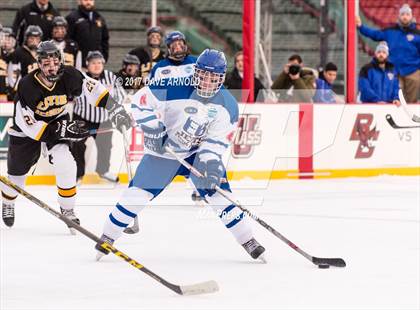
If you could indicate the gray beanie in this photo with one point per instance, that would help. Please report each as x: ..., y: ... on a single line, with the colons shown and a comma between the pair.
x: 405, y: 9
x: 382, y: 46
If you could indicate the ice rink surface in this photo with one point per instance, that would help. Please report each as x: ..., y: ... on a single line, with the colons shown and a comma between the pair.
x: 373, y: 223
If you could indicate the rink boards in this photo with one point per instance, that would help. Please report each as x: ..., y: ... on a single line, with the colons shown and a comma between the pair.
x: 276, y: 141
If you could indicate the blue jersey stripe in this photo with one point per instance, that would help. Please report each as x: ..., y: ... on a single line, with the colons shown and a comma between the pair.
x: 116, y: 222
x: 216, y: 142
x: 146, y: 119
x: 226, y: 211
x: 125, y: 211
x: 235, y: 221
x: 134, y: 106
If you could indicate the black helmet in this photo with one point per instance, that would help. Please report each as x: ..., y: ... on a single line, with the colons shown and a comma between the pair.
x: 130, y: 60
x: 154, y: 29
x: 47, y: 49
x: 32, y: 31
x: 7, y: 31
x: 59, y: 21
x: 93, y: 55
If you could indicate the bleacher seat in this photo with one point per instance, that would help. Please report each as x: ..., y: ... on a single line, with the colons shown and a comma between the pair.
x: 125, y: 20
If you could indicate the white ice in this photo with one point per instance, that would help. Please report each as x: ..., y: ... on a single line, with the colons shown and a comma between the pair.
x: 373, y: 223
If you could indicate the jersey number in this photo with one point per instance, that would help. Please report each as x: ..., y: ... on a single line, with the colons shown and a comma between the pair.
x: 29, y: 120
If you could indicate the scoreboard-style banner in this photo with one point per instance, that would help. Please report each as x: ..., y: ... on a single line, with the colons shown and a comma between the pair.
x: 275, y: 141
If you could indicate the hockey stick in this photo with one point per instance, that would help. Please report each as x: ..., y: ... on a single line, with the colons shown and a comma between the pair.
x: 336, y: 262
x: 391, y: 121
x: 411, y: 115
x: 195, y: 289
x: 135, y: 228
x: 99, y: 131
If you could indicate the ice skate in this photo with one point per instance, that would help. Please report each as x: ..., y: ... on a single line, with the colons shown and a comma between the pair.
x: 110, y: 177
x: 255, y: 249
x: 71, y: 216
x: 8, y: 213
x: 198, y: 200
x: 101, y: 251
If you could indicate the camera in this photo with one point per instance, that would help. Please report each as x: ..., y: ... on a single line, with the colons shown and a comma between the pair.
x: 294, y: 69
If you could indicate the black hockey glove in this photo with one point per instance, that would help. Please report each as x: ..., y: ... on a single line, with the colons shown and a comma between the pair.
x: 212, y: 172
x: 69, y: 130
x: 119, y: 117
x: 154, y: 138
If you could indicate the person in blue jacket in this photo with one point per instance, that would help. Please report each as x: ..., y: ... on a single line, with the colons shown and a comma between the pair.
x: 378, y: 81
x: 403, y: 40
x: 324, y: 92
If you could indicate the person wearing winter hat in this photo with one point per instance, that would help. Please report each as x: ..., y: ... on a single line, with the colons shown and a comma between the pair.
x: 403, y: 40
x: 378, y: 81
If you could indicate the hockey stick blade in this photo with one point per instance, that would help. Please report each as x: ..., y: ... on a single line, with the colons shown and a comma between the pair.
x: 335, y: 262
x: 195, y: 289
x: 411, y: 115
x: 200, y: 288
x: 391, y: 122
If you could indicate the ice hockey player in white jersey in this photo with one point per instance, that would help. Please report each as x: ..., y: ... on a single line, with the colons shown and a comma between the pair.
x: 197, y: 119
x: 177, y: 63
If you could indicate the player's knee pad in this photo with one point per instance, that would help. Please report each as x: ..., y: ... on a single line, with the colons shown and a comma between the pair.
x: 64, y: 166
x: 9, y: 193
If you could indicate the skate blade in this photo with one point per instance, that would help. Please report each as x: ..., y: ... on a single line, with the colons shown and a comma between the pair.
x: 99, y: 255
x: 262, y: 259
x: 131, y: 230
x: 200, y: 204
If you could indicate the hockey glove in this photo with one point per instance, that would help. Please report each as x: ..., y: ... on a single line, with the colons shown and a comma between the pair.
x: 119, y: 117
x: 154, y: 138
x: 70, y: 130
x: 212, y: 172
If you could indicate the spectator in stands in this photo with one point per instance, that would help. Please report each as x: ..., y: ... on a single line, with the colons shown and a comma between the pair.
x: 88, y: 28
x: 7, y: 47
x: 178, y: 62
x: 234, y: 80
x: 68, y: 47
x: 38, y: 12
x: 96, y: 117
x: 324, y: 83
x: 129, y: 75
x: 152, y: 53
x: 378, y: 80
x: 295, y: 83
x: 403, y: 40
x: 24, y: 59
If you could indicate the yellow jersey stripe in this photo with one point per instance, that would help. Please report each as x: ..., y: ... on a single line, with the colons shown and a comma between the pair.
x: 100, y: 97
x: 41, y: 132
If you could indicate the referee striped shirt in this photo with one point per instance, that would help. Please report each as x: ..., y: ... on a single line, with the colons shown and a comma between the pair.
x: 87, y: 111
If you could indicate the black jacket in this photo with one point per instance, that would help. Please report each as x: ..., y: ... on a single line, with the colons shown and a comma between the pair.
x: 30, y: 14
x: 89, y: 30
x: 234, y: 81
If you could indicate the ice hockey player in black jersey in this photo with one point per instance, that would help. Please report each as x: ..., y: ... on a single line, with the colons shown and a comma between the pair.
x: 129, y: 76
x: 7, y: 47
x: 152, y: 53
x: 24, y: 59
x: 70, y: 49
x: 41, y: 116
